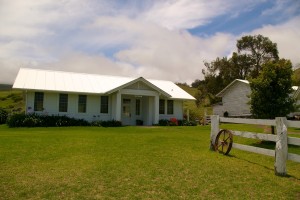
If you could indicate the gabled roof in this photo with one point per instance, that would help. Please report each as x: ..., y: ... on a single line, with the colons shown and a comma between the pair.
x: 220, y: 94
x: 46, y: 80
x: 141, y: 79
x: 296, y: 92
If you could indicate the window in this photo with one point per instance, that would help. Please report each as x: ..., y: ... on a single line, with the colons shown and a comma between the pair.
x: 161, y: 106
x: 63, y: 102
x: 170, y: 108
x: 38, y: 101
x: 137, y: 107
x: 82, y: 103
x: 104, y: 104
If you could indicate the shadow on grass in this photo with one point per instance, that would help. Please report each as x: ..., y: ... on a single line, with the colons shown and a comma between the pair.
x: 265, y: 144
x: 257, y: 164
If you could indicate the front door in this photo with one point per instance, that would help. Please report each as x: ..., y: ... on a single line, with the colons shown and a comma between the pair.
x: 126, y: 112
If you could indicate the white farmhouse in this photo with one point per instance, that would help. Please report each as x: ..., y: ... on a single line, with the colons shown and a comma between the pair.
x: 98, y: 97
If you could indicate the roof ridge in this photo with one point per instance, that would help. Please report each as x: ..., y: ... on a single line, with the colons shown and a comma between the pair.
x: 84, y: 73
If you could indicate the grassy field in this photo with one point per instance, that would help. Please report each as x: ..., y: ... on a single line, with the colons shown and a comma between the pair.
x: 133, y: 163
x: 12, y: 100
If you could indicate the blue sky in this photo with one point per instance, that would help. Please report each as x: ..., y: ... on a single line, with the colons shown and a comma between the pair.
x: 160, y: 39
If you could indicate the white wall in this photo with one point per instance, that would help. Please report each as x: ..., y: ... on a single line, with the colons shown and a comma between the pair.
x: 51, y: 106
x: 235, y: 101
x: 218, y: 110
x: 178, y: 110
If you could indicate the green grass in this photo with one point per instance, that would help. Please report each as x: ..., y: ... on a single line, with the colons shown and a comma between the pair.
x: 133, y: 163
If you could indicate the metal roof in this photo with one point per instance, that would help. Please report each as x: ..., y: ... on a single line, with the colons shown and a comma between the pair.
x: 220, y: 94
x: 46, y: 80
x: 295, y: 93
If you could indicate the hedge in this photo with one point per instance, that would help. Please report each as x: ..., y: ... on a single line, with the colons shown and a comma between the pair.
x: 166, y: 122
x: 34, y: 120
x: 3, y: 116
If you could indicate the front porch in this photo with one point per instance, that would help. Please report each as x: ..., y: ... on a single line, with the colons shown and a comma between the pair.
x: 132, y: 107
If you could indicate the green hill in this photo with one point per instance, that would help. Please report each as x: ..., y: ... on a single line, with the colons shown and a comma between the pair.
x: 195, y: 112
x: 5, y: 87
x: 11, y: 100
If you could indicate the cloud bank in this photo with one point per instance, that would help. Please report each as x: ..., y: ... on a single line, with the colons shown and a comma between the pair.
x: 150, y: 39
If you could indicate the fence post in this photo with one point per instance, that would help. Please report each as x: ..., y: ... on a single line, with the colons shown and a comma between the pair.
x: 214, y: 130
x: 281, y: 149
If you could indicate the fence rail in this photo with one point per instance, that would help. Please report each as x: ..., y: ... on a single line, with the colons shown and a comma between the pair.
x: 259, y: 136
x: 282, y: 140
x: 248, y: 121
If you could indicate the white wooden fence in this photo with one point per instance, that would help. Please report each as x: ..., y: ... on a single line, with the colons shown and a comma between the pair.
x: 282, y: 140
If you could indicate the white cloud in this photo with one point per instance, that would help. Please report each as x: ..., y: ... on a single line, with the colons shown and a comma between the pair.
x: 105, y: 37
x: 287, y: 37
x: 283, y: 8
x: 97, y: 64
x: 157, y: 52
x: 182, y: 14
x: 188, y: 14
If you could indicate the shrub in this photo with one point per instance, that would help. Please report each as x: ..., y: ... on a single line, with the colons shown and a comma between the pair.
x: 96, y: 123
x: 16, y: 120
x: 111, y: 123
x: 139, y: 122
x: 186, y: 123
x: 182, y: 122
x: 166, y: 122
x: 33, y: 120
x: 173, y: 122
x: 163, y: 122
x: 192, y: 123
x: 3, y: 116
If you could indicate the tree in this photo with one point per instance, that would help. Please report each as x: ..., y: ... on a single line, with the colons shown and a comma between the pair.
x: 217, y: 75
x: 196, y: 83
x: 296, y: 75
x: 259, y: 49
x: 246, y: 63
x: 222, y: 71
x: 241, y: 65
x: 270, y: 91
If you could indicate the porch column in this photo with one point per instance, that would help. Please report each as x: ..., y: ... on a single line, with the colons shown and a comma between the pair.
x: 156, y: 109
x: 118, y: 106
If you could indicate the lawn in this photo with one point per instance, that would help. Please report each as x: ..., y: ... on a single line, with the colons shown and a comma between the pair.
x: 133, y: 163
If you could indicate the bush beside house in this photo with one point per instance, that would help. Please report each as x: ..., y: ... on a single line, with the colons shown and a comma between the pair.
x: 3, y: 116
x: 33, y: 120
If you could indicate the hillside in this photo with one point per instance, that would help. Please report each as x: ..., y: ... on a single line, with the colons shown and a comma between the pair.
x: 195, y: 112
x: 11, y: 100
x: 5, y: 87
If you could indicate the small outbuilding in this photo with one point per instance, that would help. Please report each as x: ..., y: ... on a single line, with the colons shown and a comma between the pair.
x: 235, y: 100
x: 100, y: 97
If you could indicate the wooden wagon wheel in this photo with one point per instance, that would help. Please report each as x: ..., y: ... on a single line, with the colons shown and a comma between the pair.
x: 224, y: 142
